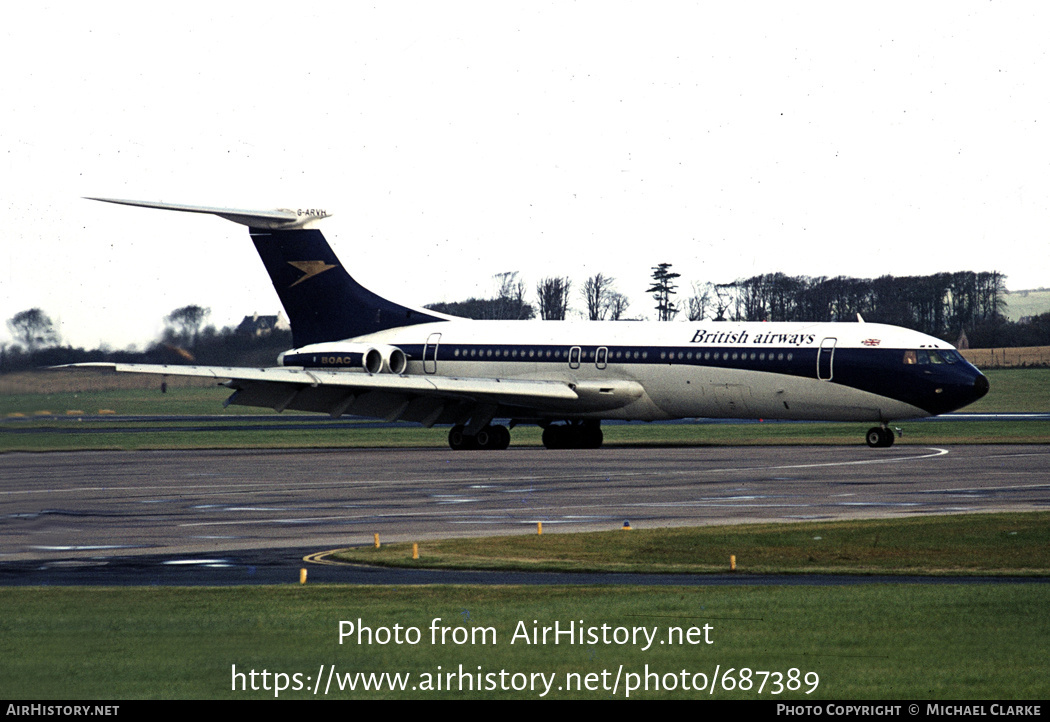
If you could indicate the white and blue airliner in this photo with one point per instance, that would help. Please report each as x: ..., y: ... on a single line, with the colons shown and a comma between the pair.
x: 357, y: 353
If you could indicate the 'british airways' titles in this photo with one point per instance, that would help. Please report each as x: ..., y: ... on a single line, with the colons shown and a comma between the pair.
x: 721, y: 338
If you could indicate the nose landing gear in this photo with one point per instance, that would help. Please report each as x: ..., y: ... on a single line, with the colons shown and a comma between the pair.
x: 879, y: 437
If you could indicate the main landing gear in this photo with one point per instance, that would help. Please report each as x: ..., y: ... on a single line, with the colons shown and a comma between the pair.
x: 489, y: 437
x: 879, y: 437
x: 573, y: 435
x: 570, y: 435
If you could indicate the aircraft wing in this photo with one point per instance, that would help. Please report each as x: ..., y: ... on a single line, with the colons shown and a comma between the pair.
x: 422, y: 398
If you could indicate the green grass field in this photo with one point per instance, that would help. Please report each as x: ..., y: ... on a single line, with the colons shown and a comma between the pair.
x: 1027, y: 303
x: 178, y: 401
x: 878, y: 641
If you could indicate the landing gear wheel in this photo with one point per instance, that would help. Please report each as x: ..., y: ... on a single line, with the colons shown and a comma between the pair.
x: 879, y: 437
x: 502, y: 434
x: 553, y: 437
x: 494, y: 438
x: 585, y: 435
x: 873, y: 437
x: 591, y: 437
x: 459, y: 441
x: 488, y: 438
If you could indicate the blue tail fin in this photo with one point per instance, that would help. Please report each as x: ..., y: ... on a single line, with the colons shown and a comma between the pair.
x: 322, y: 300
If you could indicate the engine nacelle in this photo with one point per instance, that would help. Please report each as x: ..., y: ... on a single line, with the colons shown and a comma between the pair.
x: 347, y: 356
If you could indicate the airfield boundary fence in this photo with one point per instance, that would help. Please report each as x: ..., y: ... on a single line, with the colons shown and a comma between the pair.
x: 1006, y: 358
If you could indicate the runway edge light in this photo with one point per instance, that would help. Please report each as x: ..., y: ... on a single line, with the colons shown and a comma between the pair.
x: 626, y: 525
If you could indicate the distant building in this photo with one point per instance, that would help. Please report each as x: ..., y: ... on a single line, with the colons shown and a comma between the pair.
x: 256, y: 325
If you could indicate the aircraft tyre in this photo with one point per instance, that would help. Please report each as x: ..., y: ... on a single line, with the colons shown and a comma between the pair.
x: 587, y: 435
x: 503, y: 433
x: 493, y: 437
x: 488, y: 438
x: 879, y: 437
x: 458, y: 439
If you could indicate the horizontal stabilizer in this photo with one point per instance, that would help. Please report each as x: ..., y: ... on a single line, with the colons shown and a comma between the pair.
x: 277, y: 219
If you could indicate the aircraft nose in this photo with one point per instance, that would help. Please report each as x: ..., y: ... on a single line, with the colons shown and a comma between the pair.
x: 964, y: 389
x: 980, y: 386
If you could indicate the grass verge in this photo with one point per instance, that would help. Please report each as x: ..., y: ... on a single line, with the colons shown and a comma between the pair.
x: 986, y: 544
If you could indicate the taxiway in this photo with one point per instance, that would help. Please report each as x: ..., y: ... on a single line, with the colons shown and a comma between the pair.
x: 88, y: 505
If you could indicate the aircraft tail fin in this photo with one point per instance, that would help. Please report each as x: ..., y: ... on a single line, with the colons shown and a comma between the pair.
x: 322, y: 300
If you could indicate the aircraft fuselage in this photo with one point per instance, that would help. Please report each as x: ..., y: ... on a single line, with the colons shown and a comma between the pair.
x: 830, y: 371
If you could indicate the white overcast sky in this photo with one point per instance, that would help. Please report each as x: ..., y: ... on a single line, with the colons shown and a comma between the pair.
x: 454, y: 141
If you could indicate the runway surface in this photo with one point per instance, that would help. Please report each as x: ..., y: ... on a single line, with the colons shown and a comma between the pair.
x: 91, y: 510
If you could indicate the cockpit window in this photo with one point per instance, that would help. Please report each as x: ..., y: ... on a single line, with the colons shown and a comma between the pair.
x: 932, y: 356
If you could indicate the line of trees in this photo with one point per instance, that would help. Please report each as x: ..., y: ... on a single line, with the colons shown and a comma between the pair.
x: 508, y: 304
x: 942, y: 304
x: 553, y: 297
x: 945, y: 305
x: 185, y: 339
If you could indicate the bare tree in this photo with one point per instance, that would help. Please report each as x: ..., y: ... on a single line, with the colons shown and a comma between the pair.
x: 597, y: 290
x: 700, y: 301
x: 510, y: 298
x: 617, y: 306
x: 723, y: 300
x: 34, y: 329
x: 553, y: 295
x: 185, y: 323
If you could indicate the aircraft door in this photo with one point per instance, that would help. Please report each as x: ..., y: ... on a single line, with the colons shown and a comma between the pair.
x: 430, y: 353
x: 601, y: 358
x: 825, y: 358
x: 574, y: 357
